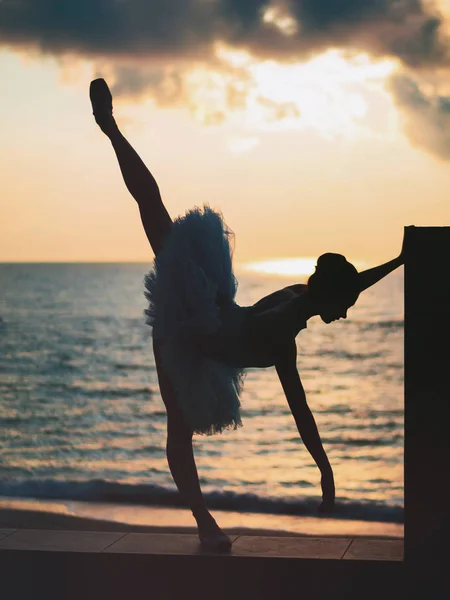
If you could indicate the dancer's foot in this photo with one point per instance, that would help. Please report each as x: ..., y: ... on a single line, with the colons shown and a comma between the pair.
x: 101, y: 100
x: 215, y: 541
x: 212, y: 537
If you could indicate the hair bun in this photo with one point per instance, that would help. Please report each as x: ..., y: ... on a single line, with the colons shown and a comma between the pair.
x: 334, y: 276
x: 330, y: 260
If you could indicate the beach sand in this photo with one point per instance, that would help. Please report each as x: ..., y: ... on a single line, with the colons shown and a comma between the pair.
x: 17, y: 513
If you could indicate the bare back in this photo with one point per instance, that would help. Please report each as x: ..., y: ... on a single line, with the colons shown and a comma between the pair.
x: 255, y: 336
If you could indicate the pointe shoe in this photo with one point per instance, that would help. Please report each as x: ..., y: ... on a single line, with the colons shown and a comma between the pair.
x: 215, y: 542
x: 102, y: 108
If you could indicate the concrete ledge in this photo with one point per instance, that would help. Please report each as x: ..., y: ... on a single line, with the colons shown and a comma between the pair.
x: 5, y: 532
x: 83, y: 565
x: 59, y: 541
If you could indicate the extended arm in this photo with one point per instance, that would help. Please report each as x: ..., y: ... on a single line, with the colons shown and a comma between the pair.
x: 372, y: 276
x: 295, y: 395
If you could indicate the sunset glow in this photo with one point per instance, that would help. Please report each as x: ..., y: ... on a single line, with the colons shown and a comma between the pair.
x: 327, y: 94
x: 312, y: 128
x: 284, y: 267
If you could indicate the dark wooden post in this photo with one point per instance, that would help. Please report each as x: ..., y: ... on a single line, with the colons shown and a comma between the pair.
x: 427, y: 407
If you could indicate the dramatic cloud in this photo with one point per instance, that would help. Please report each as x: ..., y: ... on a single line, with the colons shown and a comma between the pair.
x: 398, y: 28
x: 152, y: 47
x: 108, y: 27
x: 186, y: 29
x: 426, y: 116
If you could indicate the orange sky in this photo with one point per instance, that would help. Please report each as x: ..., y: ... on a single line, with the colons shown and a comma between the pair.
x: 330, y: 165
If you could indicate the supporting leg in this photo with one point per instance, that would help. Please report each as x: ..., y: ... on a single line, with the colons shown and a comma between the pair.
x: 182, y: 465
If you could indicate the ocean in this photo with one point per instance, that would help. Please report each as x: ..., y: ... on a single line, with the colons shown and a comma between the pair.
x: 81, y: 416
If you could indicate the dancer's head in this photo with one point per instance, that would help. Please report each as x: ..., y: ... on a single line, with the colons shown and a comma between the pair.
x: 334, y: 287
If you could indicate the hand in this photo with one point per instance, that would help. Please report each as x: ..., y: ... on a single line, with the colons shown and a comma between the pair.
x: 402, y: 253
x: 328, y: 492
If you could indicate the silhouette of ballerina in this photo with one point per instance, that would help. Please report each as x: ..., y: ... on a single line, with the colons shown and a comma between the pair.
x: 203, y: 340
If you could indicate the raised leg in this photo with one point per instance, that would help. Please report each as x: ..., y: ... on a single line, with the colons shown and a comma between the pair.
x: 180, y: 457
x: 139, y: 181
x: 144, y: 189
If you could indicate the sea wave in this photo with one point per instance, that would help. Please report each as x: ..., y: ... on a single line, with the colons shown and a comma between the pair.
x: 351, y: 355
x: 110, y: 392
x: 99, y: 490
x: 390, y: 324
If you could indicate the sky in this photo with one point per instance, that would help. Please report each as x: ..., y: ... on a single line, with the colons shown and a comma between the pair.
x: 313, y: 125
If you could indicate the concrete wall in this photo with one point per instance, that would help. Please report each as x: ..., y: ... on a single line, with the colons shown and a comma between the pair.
x: 427, y: 402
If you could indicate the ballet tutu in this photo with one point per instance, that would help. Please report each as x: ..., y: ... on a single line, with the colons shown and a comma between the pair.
x: 191, y: 279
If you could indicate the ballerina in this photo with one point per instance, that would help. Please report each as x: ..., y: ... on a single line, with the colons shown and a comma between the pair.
x: 203, y: 341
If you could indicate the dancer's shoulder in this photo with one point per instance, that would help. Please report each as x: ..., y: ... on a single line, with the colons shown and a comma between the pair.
x: 272, y: 300
x: 297, y: 288
x: 278, y: 298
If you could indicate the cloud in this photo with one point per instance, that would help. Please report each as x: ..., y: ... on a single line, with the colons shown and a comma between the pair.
x: 277, y: 111
x: 402, y: 29
x: 150, y: 48
x: 188, y: 29
x: 132, y: 28
x: 426, y: 116
x: 166, y: 84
